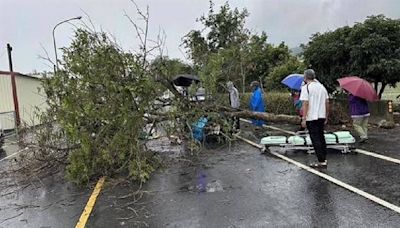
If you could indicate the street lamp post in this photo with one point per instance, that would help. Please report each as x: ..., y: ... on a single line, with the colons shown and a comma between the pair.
x: 54, y: 38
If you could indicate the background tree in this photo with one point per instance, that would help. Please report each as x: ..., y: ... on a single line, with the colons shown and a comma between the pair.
x: 375, y: 51
x: 262, y: 57
x: 170, y: 67
x: 225, y: 49
x: 224, y: 29
x: 329, y: 55
x: 278, y: 73
x: 370, y: 50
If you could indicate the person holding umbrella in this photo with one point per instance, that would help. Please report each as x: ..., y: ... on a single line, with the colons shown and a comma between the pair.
x: 295, y: 82
x: 359, y: 112
x: 297, y: 103
x: 360, y: 91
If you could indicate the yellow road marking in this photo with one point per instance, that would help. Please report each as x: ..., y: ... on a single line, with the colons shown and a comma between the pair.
x: 90, y: 204
x: 329, y: 178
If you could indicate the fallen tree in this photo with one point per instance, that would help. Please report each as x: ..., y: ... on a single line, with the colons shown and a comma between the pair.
x: 102, y: 100
x: 269, y: 117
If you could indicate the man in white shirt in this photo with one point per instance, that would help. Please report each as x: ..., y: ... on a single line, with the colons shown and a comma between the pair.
x: 315, y: 114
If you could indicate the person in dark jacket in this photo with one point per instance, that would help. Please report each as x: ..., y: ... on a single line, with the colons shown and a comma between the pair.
x: 359, y: 112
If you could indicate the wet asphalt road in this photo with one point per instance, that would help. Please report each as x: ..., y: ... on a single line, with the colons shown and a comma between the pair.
x: 237, y: 187
x: 243, y: 188
x: 53, y: 203
x: 50, y: 202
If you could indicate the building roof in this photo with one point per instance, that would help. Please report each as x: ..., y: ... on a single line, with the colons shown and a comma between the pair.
x: 36, y: 76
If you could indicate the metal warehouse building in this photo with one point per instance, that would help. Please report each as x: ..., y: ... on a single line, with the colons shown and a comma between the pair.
x: 30, y: 97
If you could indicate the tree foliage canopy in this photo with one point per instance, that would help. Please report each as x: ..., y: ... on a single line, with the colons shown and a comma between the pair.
x: 99, y: 100
x: 370, y: 50
x: 226, y: 50
x: 278, y: 73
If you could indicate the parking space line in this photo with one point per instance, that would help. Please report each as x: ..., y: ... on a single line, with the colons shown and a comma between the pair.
x: 360, y: 151
x: 328, y: 178
x: 90, y: 204
x: 380, y: 156
x: 12, y: 155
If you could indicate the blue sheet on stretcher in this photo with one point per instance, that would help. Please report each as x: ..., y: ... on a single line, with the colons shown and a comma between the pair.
x: 338, y: 137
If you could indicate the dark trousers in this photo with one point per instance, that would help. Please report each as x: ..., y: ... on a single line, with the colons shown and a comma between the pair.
x: 235, y: 123
x: 316, y: 130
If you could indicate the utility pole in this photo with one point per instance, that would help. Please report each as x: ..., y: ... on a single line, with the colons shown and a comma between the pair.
x: 14, y: 87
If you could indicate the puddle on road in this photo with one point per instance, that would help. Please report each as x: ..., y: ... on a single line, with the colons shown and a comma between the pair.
x: 164, y: 146
x: 213, y: 186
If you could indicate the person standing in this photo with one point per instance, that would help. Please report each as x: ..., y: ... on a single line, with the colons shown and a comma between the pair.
x: 234, y: 102
x: 359, y: 112
x: 315, y: 115
x: 257, y: 102
x: 297, y: 106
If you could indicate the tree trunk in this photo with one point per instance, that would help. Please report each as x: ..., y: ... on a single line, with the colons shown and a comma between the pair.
x: 269, y: 117
x: 382, y: 90
x: 376, y: 86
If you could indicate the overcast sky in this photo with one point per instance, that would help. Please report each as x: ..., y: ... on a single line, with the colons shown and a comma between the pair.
x: 27, y: 24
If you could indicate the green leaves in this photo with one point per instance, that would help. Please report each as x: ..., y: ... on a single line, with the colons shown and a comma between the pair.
x: 369, y: 49
x: 95, y: 100
x: 278, y: 73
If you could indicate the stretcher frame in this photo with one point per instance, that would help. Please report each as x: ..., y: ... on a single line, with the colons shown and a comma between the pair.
x: 344, y: 148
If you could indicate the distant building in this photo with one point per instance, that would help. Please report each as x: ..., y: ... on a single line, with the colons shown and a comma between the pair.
x: 29, y: 98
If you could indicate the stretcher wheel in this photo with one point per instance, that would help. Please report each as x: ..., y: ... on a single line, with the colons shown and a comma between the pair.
x: 264, y: 150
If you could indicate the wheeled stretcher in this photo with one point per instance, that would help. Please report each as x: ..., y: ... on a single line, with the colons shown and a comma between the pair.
x: 340, y: 140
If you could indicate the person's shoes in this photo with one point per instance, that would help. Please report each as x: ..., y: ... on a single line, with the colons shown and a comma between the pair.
x: 363, y: 140
x: 319, y: 165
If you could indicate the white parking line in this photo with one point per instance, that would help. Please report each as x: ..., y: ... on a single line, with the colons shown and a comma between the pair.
x: 360, y: 151
x: 380, y: 156
x: 329, y: 178
x: 12, y: 155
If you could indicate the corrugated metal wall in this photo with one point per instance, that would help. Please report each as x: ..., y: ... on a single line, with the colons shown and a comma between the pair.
x: 7, y: 119
x: 28, y: 98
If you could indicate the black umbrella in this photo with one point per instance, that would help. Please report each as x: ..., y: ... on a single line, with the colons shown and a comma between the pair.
x: 185, y: 80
